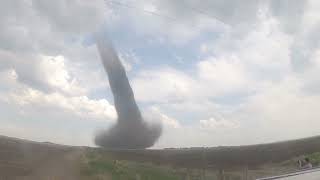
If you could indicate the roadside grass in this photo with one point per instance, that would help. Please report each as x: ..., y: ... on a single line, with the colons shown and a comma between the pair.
x: 97, y: 165
x: 314, y: 158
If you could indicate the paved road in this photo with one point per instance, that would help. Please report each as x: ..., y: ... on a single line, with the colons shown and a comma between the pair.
x: 308, y: 176
x: 313, y: 174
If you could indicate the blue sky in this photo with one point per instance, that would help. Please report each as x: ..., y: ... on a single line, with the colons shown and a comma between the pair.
x: 213, y: 73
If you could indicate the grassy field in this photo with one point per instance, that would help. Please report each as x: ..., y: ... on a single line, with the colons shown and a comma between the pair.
x: 101, y: 165
x: 27, y: 160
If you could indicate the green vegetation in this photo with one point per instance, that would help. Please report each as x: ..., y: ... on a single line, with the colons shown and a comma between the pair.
x: 101, y: 165
x: 314, y: 158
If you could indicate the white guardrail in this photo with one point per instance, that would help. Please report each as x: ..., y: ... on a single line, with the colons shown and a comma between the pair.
x: 311, y: 174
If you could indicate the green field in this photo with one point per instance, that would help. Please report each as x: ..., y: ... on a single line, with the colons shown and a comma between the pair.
x: 102, y: 165
x: 21, y: 159
x: 97, y: 165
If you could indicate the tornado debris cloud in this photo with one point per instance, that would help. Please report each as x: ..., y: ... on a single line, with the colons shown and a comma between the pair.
x: 131, y: 131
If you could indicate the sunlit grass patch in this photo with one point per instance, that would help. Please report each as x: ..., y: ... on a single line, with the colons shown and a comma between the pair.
x: 314, y: 158
x: 99, y: 164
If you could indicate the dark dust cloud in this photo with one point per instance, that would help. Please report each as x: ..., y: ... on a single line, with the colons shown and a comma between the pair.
x: 131, y: 131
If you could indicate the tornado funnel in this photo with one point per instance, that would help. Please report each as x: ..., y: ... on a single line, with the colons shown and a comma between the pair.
x: 130, y: 131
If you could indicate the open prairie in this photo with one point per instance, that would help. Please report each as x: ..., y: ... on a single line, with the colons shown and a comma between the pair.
x: 22, y: 159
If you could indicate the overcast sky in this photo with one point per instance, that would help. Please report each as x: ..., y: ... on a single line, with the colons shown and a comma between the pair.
x: 214, y: 72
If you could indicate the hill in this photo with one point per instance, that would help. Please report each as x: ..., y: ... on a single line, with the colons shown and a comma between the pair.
x: 22, y: 159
